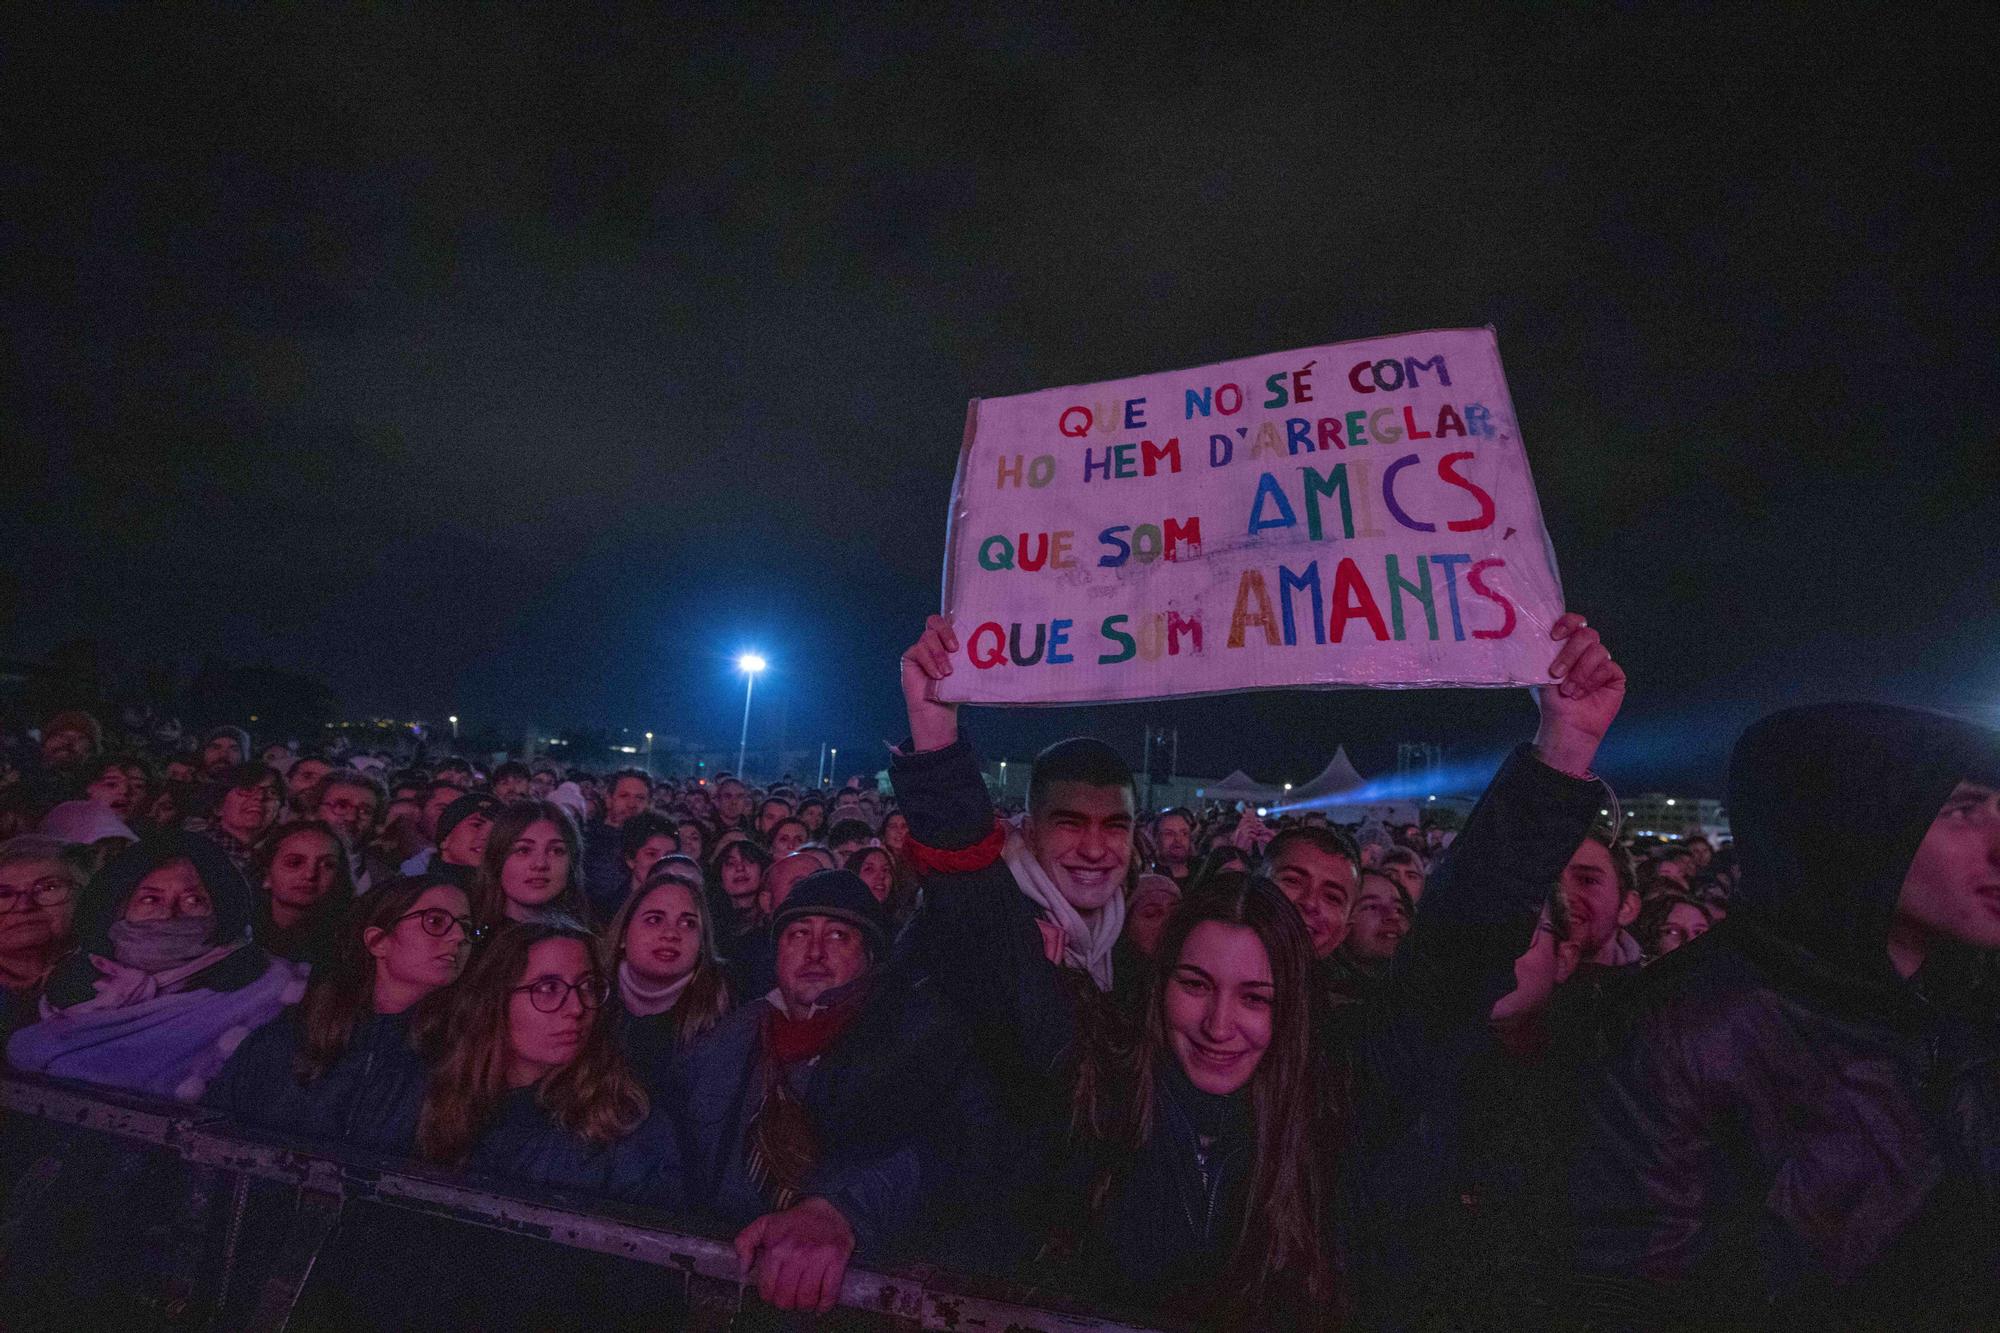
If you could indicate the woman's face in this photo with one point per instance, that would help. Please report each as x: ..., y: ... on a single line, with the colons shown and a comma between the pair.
x: 302, y: 872
x: 426, y: 949
x: 539, y: 1043
x: 663, y: 938
x: 874, y: 872
x: 172, y: 890
x: 895, y: 832
x: 1684, y: 922
x: 691, y: 840
x: 1218, y: 1006
x: 787, y: 838
x: 25, y: 924
x: 537, y: 866
x: 813, y: 816
x: 740, y: 877
x: 649, y: 854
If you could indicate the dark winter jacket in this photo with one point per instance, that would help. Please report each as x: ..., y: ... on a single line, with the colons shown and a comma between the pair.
x: 605, y: 874
x: 367, y: 1098
x: 524, y: 1144
x: 1794, y: 1134
x: 902, y: 1119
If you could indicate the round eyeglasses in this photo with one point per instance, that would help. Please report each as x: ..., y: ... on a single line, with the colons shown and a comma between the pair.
x: 42, y: 893
x: 437, y: 921
x: 549, y: 993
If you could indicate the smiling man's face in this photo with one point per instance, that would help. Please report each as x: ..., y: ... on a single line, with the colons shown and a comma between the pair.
x: 1082, y: 835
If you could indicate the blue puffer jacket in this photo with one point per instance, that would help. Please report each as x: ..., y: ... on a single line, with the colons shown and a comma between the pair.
x: 1793, y: 1134
x: 366, y: 1099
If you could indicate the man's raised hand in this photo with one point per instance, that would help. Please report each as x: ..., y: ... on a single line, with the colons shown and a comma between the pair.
x: 1578, y: 708
x: 933, y: 725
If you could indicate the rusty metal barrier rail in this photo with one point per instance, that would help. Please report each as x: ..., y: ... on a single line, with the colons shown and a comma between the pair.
x: 906, y: 1298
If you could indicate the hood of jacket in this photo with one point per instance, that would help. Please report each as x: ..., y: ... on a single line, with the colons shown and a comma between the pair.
x: 1828, y: 805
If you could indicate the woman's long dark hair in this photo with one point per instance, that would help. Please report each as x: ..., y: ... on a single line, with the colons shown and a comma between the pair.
x: 706, y: 1001
x: 343, y: 991
x: 1279, y: 1248
x: 489, y: 901
x: 721, y: 906
x: 594, y: 1096
x: 316, y: 939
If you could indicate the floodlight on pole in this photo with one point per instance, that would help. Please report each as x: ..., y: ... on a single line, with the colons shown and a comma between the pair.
x: 453, y: 719
x: 749, y: 664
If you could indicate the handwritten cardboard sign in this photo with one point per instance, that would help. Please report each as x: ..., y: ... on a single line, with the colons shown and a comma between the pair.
x: 1359, y: 514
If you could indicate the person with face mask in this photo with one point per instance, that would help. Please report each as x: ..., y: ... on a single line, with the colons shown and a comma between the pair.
x: 1800, y: 1125
x: 165, y: 980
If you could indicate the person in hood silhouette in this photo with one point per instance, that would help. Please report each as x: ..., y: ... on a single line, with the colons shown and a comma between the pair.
x: 1801, y: 1126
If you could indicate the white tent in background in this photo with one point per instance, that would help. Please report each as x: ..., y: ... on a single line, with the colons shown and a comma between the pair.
x: 1238, y: 786
x: 1338, y: 777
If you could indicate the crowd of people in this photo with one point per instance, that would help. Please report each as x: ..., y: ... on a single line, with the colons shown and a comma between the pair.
x: 1194, y: 1065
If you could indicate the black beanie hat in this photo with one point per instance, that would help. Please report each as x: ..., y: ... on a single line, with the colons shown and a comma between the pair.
x: 837, y: 893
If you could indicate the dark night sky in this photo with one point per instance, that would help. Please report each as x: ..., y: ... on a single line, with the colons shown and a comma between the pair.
x: 528, y: 367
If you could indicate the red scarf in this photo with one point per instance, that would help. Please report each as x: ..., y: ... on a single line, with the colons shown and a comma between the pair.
x: 788, y: 1040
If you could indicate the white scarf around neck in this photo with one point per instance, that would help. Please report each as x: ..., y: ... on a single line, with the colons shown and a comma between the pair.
x: 645, y: 999
x: 1087, y: 941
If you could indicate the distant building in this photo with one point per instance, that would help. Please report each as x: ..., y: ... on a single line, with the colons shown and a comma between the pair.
x: 1655, y: 814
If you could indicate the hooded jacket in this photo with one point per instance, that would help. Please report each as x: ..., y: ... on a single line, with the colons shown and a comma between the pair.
x: 1791, y: 1133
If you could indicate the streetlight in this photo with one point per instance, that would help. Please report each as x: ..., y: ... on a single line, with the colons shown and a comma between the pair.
x: 749, y: 664
x: 1003, y: 779
x: 833, y: 765
x: 649, y: 752
x: 453, y: 719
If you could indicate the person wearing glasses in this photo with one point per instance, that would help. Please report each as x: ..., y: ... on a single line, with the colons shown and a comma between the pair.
x: 342, y: 1065
x: 38, y: 887
x: 165, y: 980
x: 531, y: 1083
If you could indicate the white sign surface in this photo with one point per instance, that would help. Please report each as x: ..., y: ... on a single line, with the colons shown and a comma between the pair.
x: 1358, y: 514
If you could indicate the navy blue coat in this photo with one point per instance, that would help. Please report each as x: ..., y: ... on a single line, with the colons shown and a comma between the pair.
x: 368, y: 1098
x: 903, y: 1119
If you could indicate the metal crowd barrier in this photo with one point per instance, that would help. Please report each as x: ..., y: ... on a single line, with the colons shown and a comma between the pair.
x: 706, y: 1268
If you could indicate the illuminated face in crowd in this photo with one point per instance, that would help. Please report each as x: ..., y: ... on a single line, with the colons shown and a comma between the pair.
x: 692, y: 838
x: 1952, y: 888
x: 561, y: 971
x: 817, y: 954
x: 629, y: 796
x: 770, y: 814
x: 1217, y: 1005
x: 895, y: 832
x: 37, y: 902
x: 641, y: 862
x: 1321, y: 885
x: 1148, y: 917
x: 876, y: 872
x: 64, y: 747
x: 302, y: 872
x: 466, y: 842
x: 1175, y: 839
x: 663, y: 938
x: 541, y: 783
x: 300, y: 780
x: 1596, y: 902
x: 351, y: 812
x: 113, y: 790
x: 425, y: 950
x: 169, y: 891
x: 732, y: 802
x: 220, y: 755
x: 787, y: 836
x: 1684, y: 922
x: 1082, y: 836
x: 739, y: 875
x: 247, y: 811
x: 536, y: 870
x: 511, y: 788
x: 1378, y: 920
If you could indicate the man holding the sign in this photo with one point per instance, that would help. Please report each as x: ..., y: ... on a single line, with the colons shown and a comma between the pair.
x: 1017, y: 922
